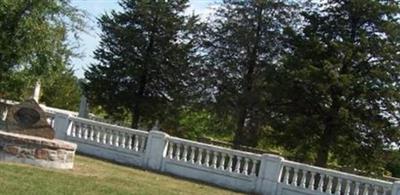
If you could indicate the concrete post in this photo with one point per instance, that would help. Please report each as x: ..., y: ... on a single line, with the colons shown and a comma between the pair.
x: 270, y: 172
x: 61, y: 126
x: 396, y: 188
x: 83, y: 108
x: 36, y: 91
x: 156, y: 149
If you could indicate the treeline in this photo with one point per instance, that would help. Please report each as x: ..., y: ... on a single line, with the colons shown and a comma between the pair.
x: 318, y: 80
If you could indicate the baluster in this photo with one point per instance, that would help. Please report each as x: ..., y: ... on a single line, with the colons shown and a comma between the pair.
x: 185, y: 152
x: 200, y: 156
x: 98, y: 134
x: 366, y: 189
x: 103, y: 135
x: 357, y: 188
x: 347, y: 188
x: 222, y: 162
x: 73, y: 130
x: 230, y: 163
x: 116, y: 141
x: 178, y: 151
x: 214, y: 160
x: 136, y: 143
x: 286, y: 176
x: 123, y: 140
x: 245, y: 166
x: 238, y: 162
x: 321, y: 183
x: 192, y: 153
x: 110, y: 137
x: 85, y: 131
x: 303, y: 179
x: 170, y: 150
x: 312, y: 181
x: 128, y: 140
x: 375, y: 192
x: 70, y: 128
x: 80, y: 130
x: 91, y: 133
x: 207, y: 161
x: 253, y: 167
x: 338, y: 188
x: 295, y: 176
x: 329, y: 185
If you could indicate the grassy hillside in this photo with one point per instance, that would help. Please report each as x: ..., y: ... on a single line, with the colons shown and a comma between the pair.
x: 92, y: 176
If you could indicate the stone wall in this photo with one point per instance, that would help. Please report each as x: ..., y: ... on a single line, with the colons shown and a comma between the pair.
x: 36, y: 151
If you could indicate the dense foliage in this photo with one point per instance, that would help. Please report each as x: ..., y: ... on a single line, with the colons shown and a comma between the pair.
x: 242, y: 43
x: 144, y: 60
x: 339, y: 84
x: 33, y: 46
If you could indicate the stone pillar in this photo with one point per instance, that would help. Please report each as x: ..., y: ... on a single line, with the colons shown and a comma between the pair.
x: 83, y: 108
x: 396, y: 188
x: 61, y: 126
x: 36, y: 92
x: 156, y: 149
x: 269, y: 174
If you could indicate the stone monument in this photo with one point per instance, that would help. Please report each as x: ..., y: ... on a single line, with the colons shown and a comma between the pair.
x: 29, y: 119
x: 28, y: 138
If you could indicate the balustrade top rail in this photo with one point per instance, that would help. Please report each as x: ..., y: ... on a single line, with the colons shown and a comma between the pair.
x: 337, y: 174
x: 108, y: 126
x: 216, y: 148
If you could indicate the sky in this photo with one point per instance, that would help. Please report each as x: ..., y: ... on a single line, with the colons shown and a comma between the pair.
x: 95, y: 8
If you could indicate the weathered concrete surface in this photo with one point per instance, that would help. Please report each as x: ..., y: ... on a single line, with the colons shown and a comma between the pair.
x: 29, y: 119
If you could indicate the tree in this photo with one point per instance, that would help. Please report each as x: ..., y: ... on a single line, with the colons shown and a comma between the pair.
x: 33, y: 42
x: 242, y: 45
x: 61, y: 90
x: 143, y: 60
x: 339, y: 84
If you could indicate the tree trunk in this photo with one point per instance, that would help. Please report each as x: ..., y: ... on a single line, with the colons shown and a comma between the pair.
x: 135, y: 116
x: 240, y: 137
x: 324, y: 147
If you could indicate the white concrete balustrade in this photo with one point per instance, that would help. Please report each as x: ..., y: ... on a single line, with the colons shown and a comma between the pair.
x: 315, y: 180
x: 103, y: 134
x: 233, y: 169
x: 213, y: 157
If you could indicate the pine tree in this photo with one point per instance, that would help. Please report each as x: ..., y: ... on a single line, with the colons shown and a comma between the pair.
x: 339, y: 85
x: 144, y: 60
x: 242, y: 45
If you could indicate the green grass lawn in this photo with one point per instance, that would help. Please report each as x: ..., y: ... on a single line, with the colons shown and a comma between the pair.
x: 92, y: 176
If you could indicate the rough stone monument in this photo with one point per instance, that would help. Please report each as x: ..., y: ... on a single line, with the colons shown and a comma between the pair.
x: 29, y: 119
x: 28, y: 138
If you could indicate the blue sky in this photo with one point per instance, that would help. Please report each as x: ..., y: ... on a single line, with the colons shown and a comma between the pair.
x: 95, y: 8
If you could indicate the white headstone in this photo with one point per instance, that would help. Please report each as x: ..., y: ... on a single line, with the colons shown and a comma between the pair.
x: 36, y: 92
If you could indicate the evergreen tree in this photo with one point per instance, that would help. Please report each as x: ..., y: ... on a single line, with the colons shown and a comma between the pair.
x: 339, y: 85
x: 242, y: 45
x: 143, y: 60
